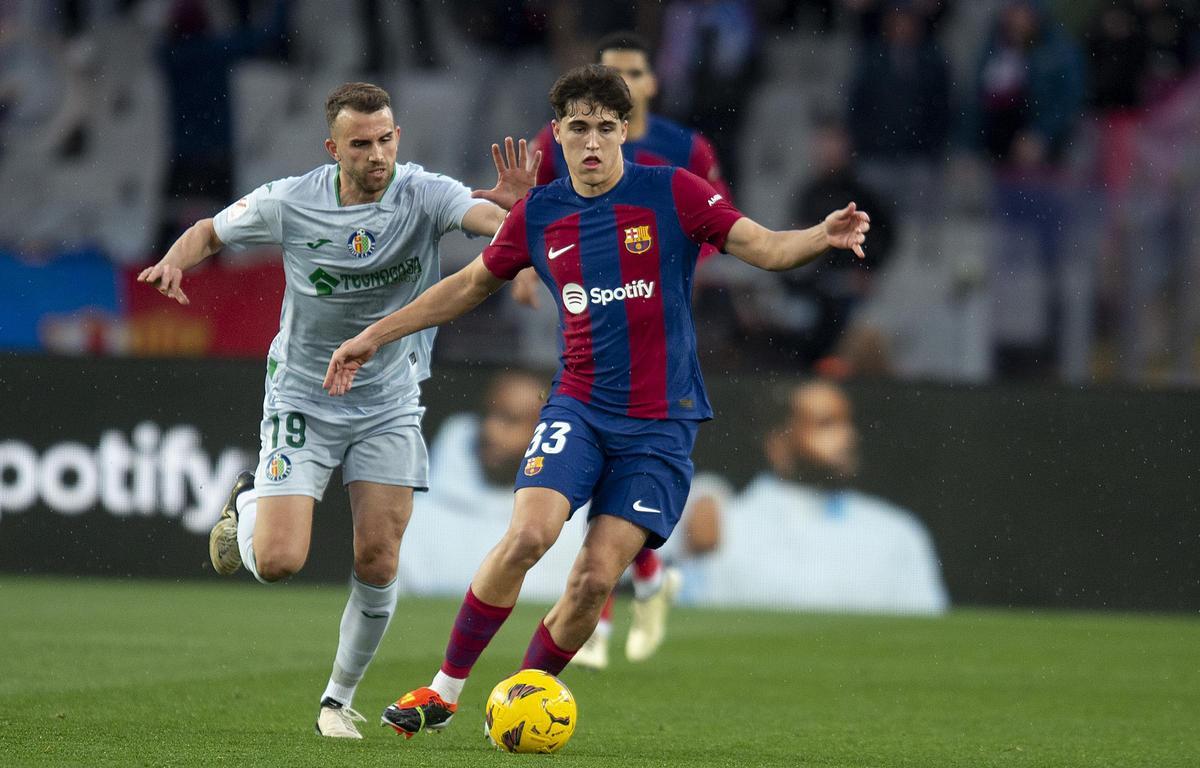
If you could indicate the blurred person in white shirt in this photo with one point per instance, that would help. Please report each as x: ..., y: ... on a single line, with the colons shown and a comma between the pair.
x: 799, y: 537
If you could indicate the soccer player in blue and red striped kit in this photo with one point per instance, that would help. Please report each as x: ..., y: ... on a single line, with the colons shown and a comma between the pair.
x: 616, y: 243
x: 651, y: 140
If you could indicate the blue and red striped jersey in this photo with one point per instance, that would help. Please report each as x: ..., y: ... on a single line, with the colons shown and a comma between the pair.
x: 620, y: 269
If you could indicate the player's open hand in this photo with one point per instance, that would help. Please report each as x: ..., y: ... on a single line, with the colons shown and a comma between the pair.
x: 168, y: 278
x: 847, y: 229
x: 344, y: 364
x: 516, y: 174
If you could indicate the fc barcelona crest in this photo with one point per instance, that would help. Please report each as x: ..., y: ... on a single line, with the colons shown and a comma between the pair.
x: 637, y: 239
x: 534, y: 465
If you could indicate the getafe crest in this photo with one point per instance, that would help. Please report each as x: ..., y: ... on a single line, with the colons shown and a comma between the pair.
x: 361, y: 243
x: 279, y: 468
x: 534, y: 465
x: 637, y: 239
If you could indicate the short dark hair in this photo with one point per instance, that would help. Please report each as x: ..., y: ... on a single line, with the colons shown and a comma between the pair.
x: 595, y: 87
x: 361, y: 97
x: 623, y: 41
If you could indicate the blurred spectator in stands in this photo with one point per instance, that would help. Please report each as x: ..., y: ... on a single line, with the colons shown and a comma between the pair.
x: 198, y: 63
x: 1141, y: 53
x: 869, y: 17
x: 379, y: 54
x: 799, y: 536
x: 1172, y: 33
x: 499, y: 25
x: 899, y: 110
x: 1029, y: 89
x: 817, y: 15
x: 1027, y: 101
x: 47, y: 63
x: 579, y: 26
x: 32, y: 82
x: 798, y: 317
x: 707, y: 69
x: 1117, y: 54
x: 508, y: 41
x: 472, y: 463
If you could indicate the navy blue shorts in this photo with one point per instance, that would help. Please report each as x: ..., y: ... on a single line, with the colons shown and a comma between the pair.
x: 636, y: 469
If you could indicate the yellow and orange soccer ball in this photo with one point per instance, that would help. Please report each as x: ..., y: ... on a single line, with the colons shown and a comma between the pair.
x: 531, y: 711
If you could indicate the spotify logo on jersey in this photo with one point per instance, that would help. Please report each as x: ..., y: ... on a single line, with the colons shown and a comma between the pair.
x: 574, y: 298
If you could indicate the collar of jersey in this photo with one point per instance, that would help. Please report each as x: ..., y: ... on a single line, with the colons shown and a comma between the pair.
x: 337, y: 192
x: 600, y: 198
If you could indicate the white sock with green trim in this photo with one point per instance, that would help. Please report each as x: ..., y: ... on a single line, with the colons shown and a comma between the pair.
x: 367, y: 616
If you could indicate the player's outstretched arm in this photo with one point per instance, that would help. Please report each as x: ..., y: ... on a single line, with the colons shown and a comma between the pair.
x: 777, y: 251
x: 449, y: 298
x: 194, y: 246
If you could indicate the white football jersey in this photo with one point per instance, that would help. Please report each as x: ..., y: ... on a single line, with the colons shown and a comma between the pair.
x: 346, y: 267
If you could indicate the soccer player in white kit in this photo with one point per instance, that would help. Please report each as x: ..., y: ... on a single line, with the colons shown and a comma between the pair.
x: 360, y: 240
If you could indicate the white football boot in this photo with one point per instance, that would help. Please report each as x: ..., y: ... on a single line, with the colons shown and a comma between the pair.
x: 336, y: 721
x: 650, y: 618
x: 593, y: 654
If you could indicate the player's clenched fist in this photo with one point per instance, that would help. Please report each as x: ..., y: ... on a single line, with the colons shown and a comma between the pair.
x: 168, y: 278
x: 345, y: 364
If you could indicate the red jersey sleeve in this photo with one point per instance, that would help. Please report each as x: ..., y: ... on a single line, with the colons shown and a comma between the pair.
x: 545, y: 142
x: 704, y: 163
x: 705, y: 214
x: 508, y: 253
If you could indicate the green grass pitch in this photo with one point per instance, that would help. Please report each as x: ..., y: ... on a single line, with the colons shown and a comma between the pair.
x: 135, y: 673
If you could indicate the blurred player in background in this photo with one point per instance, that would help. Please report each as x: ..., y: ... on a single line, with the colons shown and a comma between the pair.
x: 360, y: 240
x: 617, y: 245
x: 651, y: 140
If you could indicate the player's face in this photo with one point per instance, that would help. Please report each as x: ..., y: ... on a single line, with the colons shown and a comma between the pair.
x: 635, y: 69
x: 364, y: 145
x: 821, y: 430
x: 512, y: 414
x: 591, y: 139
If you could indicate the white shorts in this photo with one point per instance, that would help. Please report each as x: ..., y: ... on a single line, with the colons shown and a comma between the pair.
x: 303, y: 441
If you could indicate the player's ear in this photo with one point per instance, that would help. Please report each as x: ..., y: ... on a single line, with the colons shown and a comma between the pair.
x: 331, y: 148
x: 397, y: 134
x: 554, y: 126
x: 651, y: 86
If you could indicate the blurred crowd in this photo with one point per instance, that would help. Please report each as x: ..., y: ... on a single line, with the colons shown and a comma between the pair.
x: 1029, y: 165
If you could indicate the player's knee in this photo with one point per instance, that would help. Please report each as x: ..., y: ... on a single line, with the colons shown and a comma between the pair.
x: 376, y: 566
x: 275, y: 565
x: 526, y: 545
